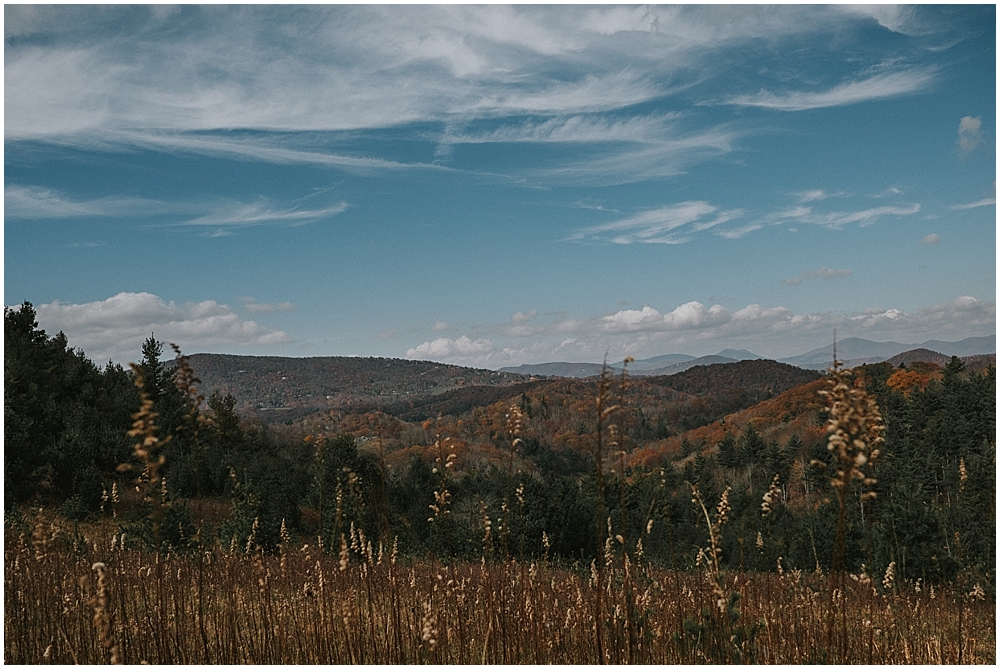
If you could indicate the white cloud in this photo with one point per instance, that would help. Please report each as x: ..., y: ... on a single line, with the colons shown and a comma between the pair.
x: 36, y: 203
x: 812, y: 195
x: 838, y: 219
x: 671, y: 224
x: 321, y: 68
x: 524, y: 318
x: 985, y: 202
x: 693, y: 328
x: 115, y: 328
x: 574, y: 129
x: 872, y: 317
x: 237, y: 214
x: 678, y: 223
x: 686, y: 316
x: 932, y: 238
x: 441, y: 326
x: 255, y: 307
x: 970, y: 133
x: 740, y: 232
x: 281, y: 149
x: 897, y: 18
x: 459, y: 350
x: 821, y: 273
x: 621, y: 163
x: 819, y: 194
x: 879, y: 86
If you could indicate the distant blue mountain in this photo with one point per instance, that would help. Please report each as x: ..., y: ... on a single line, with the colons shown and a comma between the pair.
x: 686, y: 365
x: 658, y: 362
x: 855, y: 351
x: 573, y: 370
x: 852, y: 351
x: 970, y: 346
x: 738, y: 354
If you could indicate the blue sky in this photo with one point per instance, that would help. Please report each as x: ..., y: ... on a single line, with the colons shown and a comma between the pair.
x: 493, y: 185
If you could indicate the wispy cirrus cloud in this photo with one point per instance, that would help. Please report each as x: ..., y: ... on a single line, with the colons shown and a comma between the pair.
x: 897, y: 18
x: 37, y: 203
x: 672, y: 224
x: 985, y: 202
x: 815, y: 195
x: 680, y: 223
x: 262, y: 212
x: 821, y: 273
x: 576, y: 128
x: 253, y: 306
x: 838, y: 219
x: 876, y: 87
x: 329, y: 69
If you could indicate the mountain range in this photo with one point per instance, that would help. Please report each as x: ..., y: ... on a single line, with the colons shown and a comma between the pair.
x: 855, y: 351
x: 852, y: 351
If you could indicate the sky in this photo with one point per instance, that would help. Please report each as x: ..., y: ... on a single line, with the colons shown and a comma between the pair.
x: 493, y: 185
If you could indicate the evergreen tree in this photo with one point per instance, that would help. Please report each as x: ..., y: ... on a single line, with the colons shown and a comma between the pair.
x: 727, y: 451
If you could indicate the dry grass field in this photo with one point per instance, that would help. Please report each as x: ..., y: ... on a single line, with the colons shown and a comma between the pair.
x: 80, y: 598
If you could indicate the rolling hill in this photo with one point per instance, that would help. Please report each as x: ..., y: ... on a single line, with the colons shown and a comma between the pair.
x: 262, y: 384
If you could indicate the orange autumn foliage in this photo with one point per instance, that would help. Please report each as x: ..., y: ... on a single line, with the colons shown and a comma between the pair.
x: 905, y: 381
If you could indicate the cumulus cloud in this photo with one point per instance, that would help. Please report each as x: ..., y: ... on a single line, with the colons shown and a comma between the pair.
x: 441, y: 326
x: 821, y: 273
x: 970, y: 133
x: 522, y: 317
x: 932, y: 238
x: 462, y: 349
x: 686, y: 316
x: 115, y: 328
x: 772, y: 331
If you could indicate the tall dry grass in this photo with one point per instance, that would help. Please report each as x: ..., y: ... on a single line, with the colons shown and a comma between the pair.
x: 302, y: 605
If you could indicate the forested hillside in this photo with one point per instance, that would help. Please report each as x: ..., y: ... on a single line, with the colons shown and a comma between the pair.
x: 522, y: 456
x: 273, y: 383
